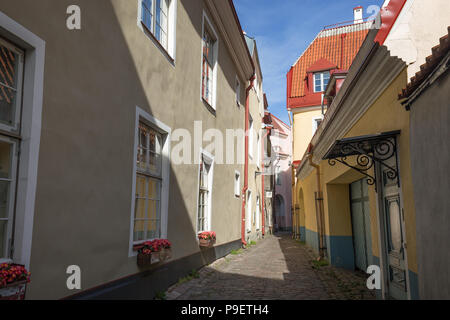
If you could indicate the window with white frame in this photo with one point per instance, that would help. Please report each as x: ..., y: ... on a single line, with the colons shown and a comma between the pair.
x: 209, y: 59
x: 321, y: 81
x: 204, y: 194
x: 278, y: 175
x: 258, y: 213
x: 11, y: 77
x: 258, y: 150
x: 250, y: 137
x: 156, y: 18
x: 249, y: 211
x: 147, y: 215
x: 237, y: 184
x: 238, y: 91
x: 316, y: 123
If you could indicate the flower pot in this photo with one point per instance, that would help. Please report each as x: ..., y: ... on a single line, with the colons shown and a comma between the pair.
x: 165, y: 254
x: 14, y: 291
x: 144, y: 259
x: 206, y: 242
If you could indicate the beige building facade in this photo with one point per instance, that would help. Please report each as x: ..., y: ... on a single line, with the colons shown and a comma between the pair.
x: 108, y: 129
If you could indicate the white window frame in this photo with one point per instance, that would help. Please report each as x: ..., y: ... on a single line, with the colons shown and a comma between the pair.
x: 258, y: 150
x: 170, y: 49
x: 237, y: 184
x: 248, y: 214
x: 209, y: 159
x: 258, y: 213
x: 165, y: 131
x: 278, y: 176
x: 5, y: 255
x: 18, y: 103
x: 212, y: 103
x: 238, y: 91
x: 250, y: 137
x: 32, y: 100
x: 315, y: 125
x: 322, y: 84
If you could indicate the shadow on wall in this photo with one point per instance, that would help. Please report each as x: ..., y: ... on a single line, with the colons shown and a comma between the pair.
x: 91, y: 90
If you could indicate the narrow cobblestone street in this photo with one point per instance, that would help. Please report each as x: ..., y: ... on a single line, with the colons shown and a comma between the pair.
x: 277, y: 267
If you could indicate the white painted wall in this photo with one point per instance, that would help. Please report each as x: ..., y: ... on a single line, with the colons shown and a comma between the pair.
x: 418, y: 28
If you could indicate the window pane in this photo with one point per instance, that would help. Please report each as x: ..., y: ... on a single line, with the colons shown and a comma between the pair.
x: 207, y: 74
x: 153, y: 229
x: 4, y: 199
x: 140, y: 209
x: 147, y: 15
x: 208, y: 46
x: 140, y: 186
x: 5, y: 159
x: 326, y: 79
x: 139, y: 230
x: 9, y: 81
x: 149, y: 150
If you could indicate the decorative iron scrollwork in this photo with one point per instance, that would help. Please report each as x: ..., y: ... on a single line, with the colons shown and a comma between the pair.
x: 365, y: 152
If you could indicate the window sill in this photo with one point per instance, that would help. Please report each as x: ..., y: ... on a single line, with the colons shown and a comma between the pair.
x: 5, y: 261
x: 209, y: 106
x: 158, y: 44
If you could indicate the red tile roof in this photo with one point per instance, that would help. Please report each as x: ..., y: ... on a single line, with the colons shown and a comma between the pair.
x: 336, y: 47
x: 280, y: 125
x: 438, y: 53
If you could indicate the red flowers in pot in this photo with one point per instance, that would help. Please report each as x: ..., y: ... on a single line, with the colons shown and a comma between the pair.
x: 207, y: 238
x: 13, y: 280
x: 12, y: 273
x: 160, y: 249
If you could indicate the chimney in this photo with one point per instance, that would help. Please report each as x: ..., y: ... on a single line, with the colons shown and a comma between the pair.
x: 358, y: 14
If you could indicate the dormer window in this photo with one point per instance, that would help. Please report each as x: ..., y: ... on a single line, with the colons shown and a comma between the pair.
x: 321, y: 81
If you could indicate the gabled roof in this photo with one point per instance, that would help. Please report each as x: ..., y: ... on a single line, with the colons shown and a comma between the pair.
x: 279, y: 125
x: 321, y: 65
x: 439, y: 52
x: 338, y: 45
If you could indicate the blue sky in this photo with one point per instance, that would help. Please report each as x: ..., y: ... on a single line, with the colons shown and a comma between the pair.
x: 283, y: 30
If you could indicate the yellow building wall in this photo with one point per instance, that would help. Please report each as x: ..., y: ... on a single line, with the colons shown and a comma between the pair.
x: 302, y: 131
x: 386, y: 114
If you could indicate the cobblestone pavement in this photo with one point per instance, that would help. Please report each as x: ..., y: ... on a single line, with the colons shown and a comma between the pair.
x: 276, y: 268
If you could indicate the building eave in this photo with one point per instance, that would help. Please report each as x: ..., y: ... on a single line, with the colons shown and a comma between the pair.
x: 372, y: 71
x: 227, y: 21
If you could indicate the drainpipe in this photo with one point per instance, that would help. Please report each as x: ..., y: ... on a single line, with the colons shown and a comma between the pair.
x: 262, y: 183
x: 319, y: 205
x: 245, y: 188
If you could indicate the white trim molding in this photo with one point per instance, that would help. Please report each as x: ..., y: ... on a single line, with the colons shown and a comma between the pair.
x: 213, y: 102
x: 209, y: 158
x: 171, y: 26
x: 33, y: 91
x: 166, y: 132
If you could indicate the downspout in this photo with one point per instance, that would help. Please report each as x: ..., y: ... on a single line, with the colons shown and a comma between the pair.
x: 245, y: 188
x: 319, y: 205
x: 262, y: 183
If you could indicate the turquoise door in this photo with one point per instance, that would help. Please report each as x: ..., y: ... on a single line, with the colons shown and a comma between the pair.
x: 360, y: 212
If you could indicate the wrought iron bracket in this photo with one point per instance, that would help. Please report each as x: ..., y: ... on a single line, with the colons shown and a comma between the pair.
x: 366, y: 152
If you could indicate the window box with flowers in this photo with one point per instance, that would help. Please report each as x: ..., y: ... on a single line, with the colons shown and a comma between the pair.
x: 207, y: 238
x: 13, y: 281
x: 154, y: 251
